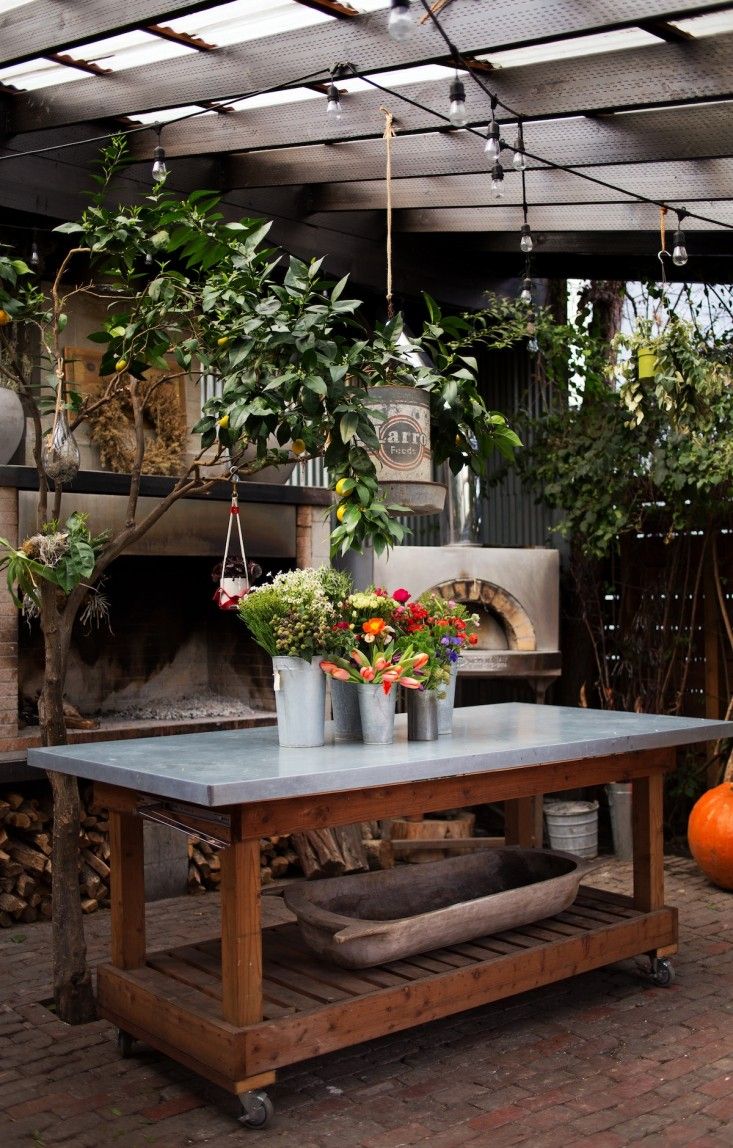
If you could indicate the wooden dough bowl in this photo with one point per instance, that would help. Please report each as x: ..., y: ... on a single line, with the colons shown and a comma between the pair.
x: 370, y: 918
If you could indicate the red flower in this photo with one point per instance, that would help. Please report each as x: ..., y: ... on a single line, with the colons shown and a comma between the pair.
x: 401, y: 596
x: 473, y: 639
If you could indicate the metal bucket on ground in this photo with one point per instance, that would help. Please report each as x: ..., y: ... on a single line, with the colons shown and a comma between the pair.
x: 572, y: 826
x: 619, y: 804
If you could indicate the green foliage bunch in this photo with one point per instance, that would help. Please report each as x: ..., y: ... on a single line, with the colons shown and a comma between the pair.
x: 295, y: 614
x: 62, y: 555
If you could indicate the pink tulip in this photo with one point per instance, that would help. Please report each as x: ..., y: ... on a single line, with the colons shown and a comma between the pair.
x: 367, y: 673
x: 390, y: 676
x: 420, y: 660
x: 327, y: 667
x: 381, y: 663
x: 342, y: 675
x: 410, y: 683
x: 359, y: 658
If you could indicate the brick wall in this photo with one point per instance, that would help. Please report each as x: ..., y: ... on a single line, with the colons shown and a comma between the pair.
x: 8, y: 624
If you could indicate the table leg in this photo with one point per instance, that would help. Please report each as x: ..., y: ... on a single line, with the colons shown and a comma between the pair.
x: 127, y: 889
x: 647, y: 821
x: 241, y: 928
x: 523, y: 822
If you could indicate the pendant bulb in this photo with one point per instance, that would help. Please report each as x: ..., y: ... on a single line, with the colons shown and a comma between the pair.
x: 526, y: 292
x: 457, y: 110
x: 492, y: 147
x: 679, y: 249
x: 525, y: 243
x: 497, y: 180
x: 400, y: 24
x: 160, y: 171
x: 35, y: 258
x: 333, y: 107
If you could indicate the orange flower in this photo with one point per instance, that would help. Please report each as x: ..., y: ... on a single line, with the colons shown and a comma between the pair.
x: 410, y: 683
x: 367, y: 673
x: 473, y: 639
x: 373, y: 626
x: 420, y: 660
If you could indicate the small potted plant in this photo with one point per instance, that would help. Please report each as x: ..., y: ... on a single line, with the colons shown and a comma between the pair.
x: 293, y: 618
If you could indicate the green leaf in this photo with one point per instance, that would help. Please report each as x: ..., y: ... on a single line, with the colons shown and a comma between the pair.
x: 347, y: 426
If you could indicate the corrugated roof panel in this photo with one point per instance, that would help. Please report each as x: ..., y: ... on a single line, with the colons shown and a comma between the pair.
x: 577, y: 46
x: 39, y: 74
x: 242, y: 20
x: 129, y: 50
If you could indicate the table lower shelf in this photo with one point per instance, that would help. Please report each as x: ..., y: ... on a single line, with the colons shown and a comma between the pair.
x: 312, y: 1007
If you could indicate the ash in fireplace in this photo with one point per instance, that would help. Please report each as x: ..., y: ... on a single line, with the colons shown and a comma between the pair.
x: 201, y: 705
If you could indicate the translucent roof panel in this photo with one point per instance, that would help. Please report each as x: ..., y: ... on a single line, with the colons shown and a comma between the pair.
x: 129, y: 50
x: 566, y: 49
x: 713, y: 24
x: 242, y: 20
x: 165, y: 115
x: 39, y: 74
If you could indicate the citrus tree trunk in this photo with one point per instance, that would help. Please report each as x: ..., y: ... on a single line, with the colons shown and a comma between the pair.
x: 72, y: 983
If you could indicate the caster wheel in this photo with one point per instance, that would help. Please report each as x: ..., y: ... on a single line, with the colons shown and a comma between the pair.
x: 662, y: 973
x: 125, y: 1043
x: 257, y: 1110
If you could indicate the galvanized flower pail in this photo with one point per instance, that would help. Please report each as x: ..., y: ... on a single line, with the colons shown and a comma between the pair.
x: 300, y: 700
x: 376, y: 709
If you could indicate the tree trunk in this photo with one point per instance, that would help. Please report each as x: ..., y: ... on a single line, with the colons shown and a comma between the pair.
x: 72, y: 982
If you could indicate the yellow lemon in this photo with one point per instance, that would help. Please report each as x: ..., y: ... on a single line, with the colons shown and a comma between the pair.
x: 298, y: 446
x: 222, y: 341
x: 340, y: 487
x: 120, y: 364
x: 341, y: 511
x: 4, y: 317
x: 223, y: 421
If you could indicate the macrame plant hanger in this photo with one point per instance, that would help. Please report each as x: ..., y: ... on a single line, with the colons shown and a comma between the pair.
x: 232, y: 589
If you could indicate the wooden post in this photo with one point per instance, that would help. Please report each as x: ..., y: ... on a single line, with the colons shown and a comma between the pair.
x: 523, y: 822
x: 711, y: 628
x: 127, y: 889
x: 647, y: 821
x: 241, y: 927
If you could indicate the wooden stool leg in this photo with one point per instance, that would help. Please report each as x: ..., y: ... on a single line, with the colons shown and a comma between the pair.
x: 523, y: 822
x: 241, y: 928
x: 127, y: 889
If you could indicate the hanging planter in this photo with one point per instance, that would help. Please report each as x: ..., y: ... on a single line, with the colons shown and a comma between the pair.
x: 233, y: 579
x: 404, y: 462
x: 647, y: 362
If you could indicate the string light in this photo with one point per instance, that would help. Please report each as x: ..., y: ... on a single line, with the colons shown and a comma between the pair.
x: 520, y: 160
x: 400, y: 23
x: 525, y: 243
x: 333, y: 107
x: 160, y: 170
x: 526, y: 292
x: 457, y: 110
x: 35, y: 258
x: 492, y: 147
x: 497, y: 180
x: 679, y: 246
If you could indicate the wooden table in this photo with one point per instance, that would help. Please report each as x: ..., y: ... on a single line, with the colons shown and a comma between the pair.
x: 240, y: 1006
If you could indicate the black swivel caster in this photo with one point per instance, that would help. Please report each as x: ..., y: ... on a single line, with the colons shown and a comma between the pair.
x: 662, y: 972
x: 125, y: 1043
x: 257, y: 1109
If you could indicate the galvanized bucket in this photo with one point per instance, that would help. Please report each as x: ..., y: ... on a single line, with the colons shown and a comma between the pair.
x: 377, y: 714
x: 422, y: 715
x: 300, y: 700
x: 404, y: 461
x: 445, y: 704
x: 345, y: 709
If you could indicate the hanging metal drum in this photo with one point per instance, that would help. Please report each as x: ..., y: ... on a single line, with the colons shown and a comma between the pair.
x: 404, y: 462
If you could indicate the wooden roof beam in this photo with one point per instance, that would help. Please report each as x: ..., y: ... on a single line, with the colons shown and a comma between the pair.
x: 655, y: 75
x: 277, y: 60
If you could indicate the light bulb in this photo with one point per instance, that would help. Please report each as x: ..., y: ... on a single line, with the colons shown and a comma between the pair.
x: 148, y: 260
x: 160, y: 171
x: 35, y: 259
x: 399, y: 24
x: 520, y: 160
x: 333, y: 107
x: 679, y: 250
x: 533, y: 346
x: 525, y: 243
x: 497, y: 181
x: 526, y: 293
x: 492, y: 147
x: 457, y: 110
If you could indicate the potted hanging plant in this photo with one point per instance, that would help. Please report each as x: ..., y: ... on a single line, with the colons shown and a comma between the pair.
x: 293, y: 618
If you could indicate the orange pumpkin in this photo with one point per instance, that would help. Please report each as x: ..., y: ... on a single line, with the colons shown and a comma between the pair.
x: 710, y: 834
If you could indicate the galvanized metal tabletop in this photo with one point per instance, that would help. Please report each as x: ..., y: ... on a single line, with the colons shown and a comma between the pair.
x: 235, y: 766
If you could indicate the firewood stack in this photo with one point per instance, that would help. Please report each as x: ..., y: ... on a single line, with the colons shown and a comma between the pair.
x: 277, y: 859
x: 25, y: 858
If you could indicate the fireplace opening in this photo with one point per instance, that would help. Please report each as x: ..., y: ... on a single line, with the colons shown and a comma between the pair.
x: 166, y: 651
x: 503, y: 621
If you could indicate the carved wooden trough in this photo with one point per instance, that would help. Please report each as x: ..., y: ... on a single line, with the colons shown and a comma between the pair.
x: 371, y: 918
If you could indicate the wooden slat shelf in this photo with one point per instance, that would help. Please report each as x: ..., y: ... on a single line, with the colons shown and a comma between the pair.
x: 311, y: 1006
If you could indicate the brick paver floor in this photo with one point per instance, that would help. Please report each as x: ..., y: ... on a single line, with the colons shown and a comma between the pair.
x: 602, y: 1060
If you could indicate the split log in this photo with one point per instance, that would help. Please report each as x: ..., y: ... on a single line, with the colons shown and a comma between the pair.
x: 331, y: 852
